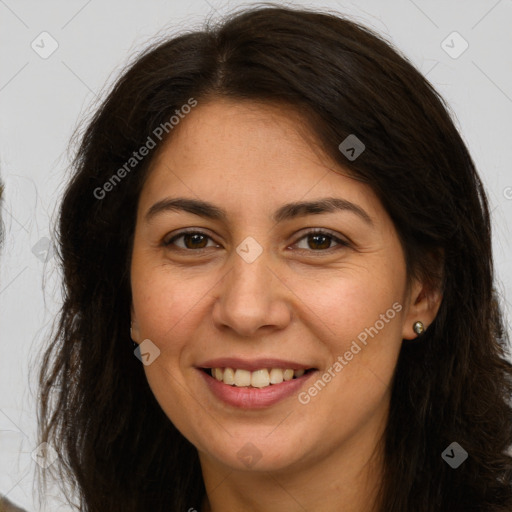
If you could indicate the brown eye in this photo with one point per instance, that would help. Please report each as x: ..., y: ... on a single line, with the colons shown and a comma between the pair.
x: 191, y: 240
x: 316, y: 241
x: 320, y: 241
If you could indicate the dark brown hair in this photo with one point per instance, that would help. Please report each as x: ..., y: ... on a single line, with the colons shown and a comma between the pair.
x: 453, y: 385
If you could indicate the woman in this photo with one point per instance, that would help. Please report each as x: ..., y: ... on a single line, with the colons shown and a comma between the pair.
x: 281, y: 215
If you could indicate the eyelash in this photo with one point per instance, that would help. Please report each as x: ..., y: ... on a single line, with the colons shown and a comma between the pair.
x: 341, y: 243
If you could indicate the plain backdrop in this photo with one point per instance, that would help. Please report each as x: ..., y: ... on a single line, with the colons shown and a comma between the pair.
x: 44, y: 97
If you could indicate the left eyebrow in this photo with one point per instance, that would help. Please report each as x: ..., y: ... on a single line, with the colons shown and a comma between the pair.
x: 286, y: 212
x: 324, y: 205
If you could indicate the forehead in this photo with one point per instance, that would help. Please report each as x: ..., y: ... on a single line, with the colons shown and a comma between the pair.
x: 248, y: 154
x: 239, y: 136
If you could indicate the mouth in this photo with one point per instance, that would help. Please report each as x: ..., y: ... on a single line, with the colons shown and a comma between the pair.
x: 261, y: 378
x: 254, y: 384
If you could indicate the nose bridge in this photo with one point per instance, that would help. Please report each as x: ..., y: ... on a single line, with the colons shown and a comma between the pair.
x: 249, y: 295
x: 250, y: 268
x: 249, y: 281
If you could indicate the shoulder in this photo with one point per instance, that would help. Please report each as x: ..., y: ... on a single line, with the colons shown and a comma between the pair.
x: 7, y: 506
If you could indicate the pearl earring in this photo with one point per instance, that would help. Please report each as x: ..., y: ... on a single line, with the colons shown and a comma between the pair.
x: 418, y: 327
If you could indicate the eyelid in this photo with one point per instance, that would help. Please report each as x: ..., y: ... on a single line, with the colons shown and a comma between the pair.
x: 308, y: 231
x: 193, y: 231
x: 323, y: 231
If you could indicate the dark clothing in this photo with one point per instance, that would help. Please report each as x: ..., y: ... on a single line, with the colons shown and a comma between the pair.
x: 7, y: 506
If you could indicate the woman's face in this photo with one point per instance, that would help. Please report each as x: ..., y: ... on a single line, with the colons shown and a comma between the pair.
x: 251, y: 291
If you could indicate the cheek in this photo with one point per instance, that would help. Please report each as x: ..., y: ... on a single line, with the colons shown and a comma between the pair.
x: 342, y: 304
x: 164, y: 300
x: 357, y: 317
x: 164, y: 305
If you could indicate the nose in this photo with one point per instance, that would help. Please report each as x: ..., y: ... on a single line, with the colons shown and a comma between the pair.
x: 252, y: 297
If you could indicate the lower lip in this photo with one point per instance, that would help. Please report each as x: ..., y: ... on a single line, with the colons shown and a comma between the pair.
x: 254, y: 398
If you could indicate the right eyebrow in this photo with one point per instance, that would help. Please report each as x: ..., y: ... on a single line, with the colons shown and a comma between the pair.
x: 195, y: 206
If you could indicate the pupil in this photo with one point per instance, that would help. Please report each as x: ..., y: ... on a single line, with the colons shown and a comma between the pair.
x: 326, y: 243
x: 195, y: 237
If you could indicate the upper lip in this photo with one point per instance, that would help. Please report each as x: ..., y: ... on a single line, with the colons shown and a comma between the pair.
x: 253, y: 364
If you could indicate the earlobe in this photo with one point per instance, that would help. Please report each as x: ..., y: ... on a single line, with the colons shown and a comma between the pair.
x: 421, y: 313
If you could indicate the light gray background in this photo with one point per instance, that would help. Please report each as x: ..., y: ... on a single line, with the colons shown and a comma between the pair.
x: 42, y: 100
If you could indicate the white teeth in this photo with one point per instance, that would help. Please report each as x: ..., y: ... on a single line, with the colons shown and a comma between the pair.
x: 260, y: 379
x: 276, y: 376
x: 242, y: 378
x: 257, y: 379
x: 288, y: 374
x: 229, y: 376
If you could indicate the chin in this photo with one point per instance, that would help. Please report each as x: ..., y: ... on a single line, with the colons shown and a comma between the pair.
x: 264, y: 452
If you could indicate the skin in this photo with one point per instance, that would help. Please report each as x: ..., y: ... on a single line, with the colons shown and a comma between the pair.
x: 301, y: 299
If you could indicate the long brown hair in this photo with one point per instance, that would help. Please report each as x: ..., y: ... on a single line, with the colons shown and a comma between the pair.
x: 454, y: 385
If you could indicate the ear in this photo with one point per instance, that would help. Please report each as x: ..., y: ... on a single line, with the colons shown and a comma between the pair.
x: 134, y: 327
x: 423, y: 304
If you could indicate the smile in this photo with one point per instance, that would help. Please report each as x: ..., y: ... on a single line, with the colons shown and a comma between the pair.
x: 253, y: 384
x: 257, y: 379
